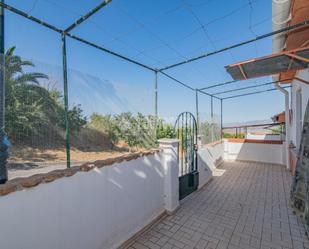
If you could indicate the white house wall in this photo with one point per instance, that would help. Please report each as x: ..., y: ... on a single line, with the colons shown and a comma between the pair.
x: 296, y: 86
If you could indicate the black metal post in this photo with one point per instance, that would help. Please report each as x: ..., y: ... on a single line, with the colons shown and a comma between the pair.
x: 212, y: 116
x: 156, y: 105
x: 156, y: 95
x: 4, y: 145
x: 197, y: 112
x: 221, y: 121
x: 66, y: 101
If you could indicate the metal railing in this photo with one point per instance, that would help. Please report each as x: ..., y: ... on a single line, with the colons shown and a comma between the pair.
x: 242, y: 131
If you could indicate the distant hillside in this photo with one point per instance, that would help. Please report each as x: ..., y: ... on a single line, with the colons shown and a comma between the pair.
x: 253, y: 122
x: 260, y: 129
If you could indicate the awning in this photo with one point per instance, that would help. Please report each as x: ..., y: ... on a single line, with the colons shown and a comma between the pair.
x: 286, y: 61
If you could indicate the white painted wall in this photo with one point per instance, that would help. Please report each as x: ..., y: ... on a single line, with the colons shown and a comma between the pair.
x: 263, y: 136
x: 209, y: 157
x: 171, y: 172
x: 102, y: 208
x: 268, y: 153
x: 304, y: 88
x: 96, y: 210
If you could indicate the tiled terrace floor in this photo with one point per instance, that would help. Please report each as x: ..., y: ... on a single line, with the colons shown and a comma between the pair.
x: 245, y: 207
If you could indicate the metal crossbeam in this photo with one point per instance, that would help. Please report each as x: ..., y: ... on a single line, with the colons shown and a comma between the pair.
x: 178, y: 81
x: 248, y: 87
x: 220, y: 84
x: 253, y: 125
x: 296, y: 26
x: 34, y: 19
x: 300, y: 58
x: 86, y: 16
x: 110, y: 52
x: 65, y: 32
x: 49, y: 26
x: 208, y: 94
x: 246, y: 94
x: 186, y: 85
x: 302, y: 80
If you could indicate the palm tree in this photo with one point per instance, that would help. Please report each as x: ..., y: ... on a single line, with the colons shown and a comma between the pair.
x: 31, y: 108
x: 14, y: 70
x: 23, y: 96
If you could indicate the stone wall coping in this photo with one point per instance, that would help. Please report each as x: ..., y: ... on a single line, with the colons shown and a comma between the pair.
x: 22, y: 183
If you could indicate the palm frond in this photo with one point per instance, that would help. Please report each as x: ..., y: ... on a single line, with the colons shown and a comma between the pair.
x: 30, y: 78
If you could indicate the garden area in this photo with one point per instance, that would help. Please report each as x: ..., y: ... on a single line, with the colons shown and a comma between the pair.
x: 35, y: 121
x: 36, y: 127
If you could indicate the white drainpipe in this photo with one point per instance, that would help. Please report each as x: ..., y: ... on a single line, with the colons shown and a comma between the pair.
x: 280, y: 17
x: 287, y: 123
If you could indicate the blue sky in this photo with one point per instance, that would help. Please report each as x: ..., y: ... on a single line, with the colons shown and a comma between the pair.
x: 157, y: 33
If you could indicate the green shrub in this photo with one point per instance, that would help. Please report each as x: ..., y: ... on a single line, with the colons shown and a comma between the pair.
x: 233, y: 135
x: 31, y: 108
x: 165, y: 130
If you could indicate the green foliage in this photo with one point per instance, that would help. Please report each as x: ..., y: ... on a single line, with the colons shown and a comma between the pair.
x: 276, y: 131
x: 136, y: 131
x: 210, y: 132
x: 31, y: 108
x: 133, y: 130
x: 233, y: 135
x: 165, y: 130
x: 106, y: 124
x: 76, y: 118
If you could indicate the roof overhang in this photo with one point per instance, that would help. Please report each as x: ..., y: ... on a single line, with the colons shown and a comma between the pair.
x: 298, y: 11
x: 287, y: 61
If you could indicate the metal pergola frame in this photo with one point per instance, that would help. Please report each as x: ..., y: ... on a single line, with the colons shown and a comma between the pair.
x: 66, y: 33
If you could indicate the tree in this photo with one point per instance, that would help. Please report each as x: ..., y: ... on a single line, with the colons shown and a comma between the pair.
x: 106, y: 124
x: 22, y: 96
x: 32, y: 109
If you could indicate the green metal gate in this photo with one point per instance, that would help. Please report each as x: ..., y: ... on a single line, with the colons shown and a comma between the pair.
x: 186, y: 131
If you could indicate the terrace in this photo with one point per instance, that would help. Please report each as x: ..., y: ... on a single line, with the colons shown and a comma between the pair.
x: 246, y: 205
x: 91, y: 167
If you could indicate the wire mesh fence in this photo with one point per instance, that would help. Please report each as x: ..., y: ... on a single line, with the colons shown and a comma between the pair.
x: 107, y: 114
x: 209, y: 118
x: 34, y: 113
x: 106, y: 117
x: 209, y: 128
x: 65, y: 109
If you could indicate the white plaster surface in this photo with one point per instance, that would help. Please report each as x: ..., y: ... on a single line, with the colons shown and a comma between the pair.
x: 304, y: 89
x: 209, y: 157
x: 171, y: 170
x: 97, y: 209
x: 263, y: 136
x: 267, y: 153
